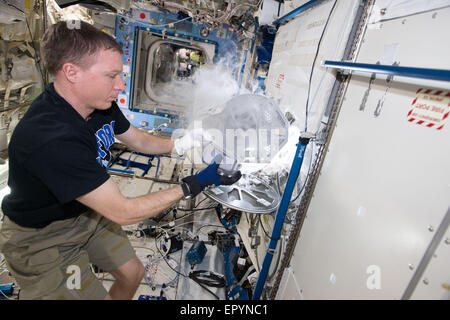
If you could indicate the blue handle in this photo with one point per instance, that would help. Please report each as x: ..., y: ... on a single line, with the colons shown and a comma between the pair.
x: 281, y: 215
x: 410, y: 72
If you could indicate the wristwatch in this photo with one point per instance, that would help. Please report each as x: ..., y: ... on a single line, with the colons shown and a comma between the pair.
x: 186, y: 192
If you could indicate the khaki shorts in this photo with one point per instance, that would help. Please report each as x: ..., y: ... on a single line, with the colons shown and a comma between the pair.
x: 54, y: 262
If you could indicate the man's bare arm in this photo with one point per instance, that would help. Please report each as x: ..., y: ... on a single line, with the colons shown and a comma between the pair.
x: 144, y: 142
x: 109, y: 202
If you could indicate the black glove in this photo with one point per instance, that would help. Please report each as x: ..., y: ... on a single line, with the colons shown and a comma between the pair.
x: 209, y: 177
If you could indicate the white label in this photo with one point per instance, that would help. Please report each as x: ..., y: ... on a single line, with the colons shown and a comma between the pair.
x: 430, y: 108
x: 241, y: 261
x: 389, y: 52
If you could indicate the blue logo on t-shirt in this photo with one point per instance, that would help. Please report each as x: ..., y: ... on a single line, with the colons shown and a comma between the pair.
x: 105, y: 139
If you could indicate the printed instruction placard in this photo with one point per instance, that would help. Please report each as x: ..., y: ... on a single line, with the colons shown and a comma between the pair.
x: 430, y: 108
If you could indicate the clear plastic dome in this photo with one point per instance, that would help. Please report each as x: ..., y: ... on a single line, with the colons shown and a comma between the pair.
x: 247, y: 129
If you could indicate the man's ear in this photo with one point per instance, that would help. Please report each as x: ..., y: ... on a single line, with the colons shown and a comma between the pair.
x: 71, y: 72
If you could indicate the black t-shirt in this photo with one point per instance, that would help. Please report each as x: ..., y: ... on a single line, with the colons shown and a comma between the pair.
x: 55, y: 156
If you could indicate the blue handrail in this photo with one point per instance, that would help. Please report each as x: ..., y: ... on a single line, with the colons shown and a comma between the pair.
x: 281, y: 215
x: 297, y: 11
x: 410, y: 72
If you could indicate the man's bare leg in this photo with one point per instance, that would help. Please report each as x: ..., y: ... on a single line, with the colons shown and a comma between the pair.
x: 128, y: 277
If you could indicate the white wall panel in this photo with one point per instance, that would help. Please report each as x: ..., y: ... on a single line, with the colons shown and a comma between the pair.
x: 385, y: 184
x: 293, y: 54
x: 391, y: 9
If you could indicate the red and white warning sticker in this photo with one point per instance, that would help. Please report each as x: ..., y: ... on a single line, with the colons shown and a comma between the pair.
x: 279, y: 81
x: 430, y: 108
